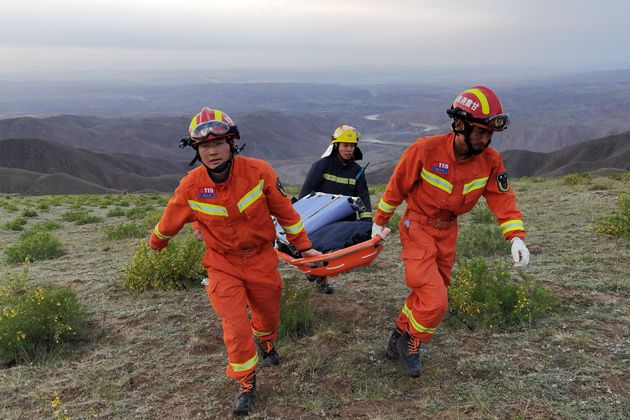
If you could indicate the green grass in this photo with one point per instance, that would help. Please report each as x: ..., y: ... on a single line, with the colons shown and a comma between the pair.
x: 151, y: 351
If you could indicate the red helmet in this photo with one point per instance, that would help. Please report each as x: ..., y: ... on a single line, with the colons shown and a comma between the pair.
x: 211, y: 124
x: 480, y: 106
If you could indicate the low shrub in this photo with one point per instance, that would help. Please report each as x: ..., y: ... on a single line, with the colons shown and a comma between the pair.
x: 80, y: 217
x: 482, y: 214
x: 297, y: 316
x: 152, y: 218
x: 36, y: 321
x: 604, y: 185
x: 46, y: 225
x: 177, y: 266
x: 481, y: 240
x: 43, y: 206
x: 577, y: 178
x: 34, y: 245
x: 621, y: 176
x: 137, y: 212
x: 115, y: 212
x: 10, y: 207
x: 618, y: 222
x: 480, y: 297
x: 15, y: 224
x: 125, y: 230
x: 28, y: 213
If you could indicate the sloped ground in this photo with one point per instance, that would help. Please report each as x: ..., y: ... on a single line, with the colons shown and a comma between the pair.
x: 160, y: 354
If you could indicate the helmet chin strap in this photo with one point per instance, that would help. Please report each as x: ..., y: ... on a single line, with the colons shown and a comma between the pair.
x: 222, y: 167
x: 468, y: 128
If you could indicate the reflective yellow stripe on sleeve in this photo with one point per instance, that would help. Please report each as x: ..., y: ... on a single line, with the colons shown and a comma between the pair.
x: 385, y: 207
x: 475, y: 184
x: 249, y: 198
x: 511, y: 225
x: 436, y: 181
x: 160, y: 235
x: 206, y: 208
x: 416, y: 326
x: 294, y: 229
x: 241, y: 367
x: 339, y: 180
x: 365, y: 214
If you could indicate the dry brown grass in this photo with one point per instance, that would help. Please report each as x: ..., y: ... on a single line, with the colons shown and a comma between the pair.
x: 160, y: 354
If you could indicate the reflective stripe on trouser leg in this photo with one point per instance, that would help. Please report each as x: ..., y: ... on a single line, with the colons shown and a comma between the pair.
x: 428, y: 255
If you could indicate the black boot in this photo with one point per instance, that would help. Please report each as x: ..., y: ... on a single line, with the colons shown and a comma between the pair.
x: 391, y: 350
x: 408, y: 349
x: 245, y: 395
x: 267, y: 351
x: 322, y: 285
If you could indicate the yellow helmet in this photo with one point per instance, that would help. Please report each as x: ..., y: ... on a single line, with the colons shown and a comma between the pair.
x: 345, y: 134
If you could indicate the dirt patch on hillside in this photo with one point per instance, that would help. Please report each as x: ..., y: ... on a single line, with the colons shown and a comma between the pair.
x: 343, y: 310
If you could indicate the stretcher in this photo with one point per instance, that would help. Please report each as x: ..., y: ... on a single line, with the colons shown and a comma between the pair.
x: 333, y: 263
x: 318, y: 210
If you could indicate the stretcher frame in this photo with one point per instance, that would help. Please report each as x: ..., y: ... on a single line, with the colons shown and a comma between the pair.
x: 334, y: 263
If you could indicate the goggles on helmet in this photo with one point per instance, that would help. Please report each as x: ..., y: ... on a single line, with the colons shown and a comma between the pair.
x: 495, y: 123
x: 211, y: 128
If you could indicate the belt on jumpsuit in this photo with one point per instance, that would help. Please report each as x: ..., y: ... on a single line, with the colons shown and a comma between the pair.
x: 436, y: 222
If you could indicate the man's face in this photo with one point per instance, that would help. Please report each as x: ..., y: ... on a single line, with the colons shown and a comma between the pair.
x: 480, y: 138
x: 346, y: 150
x: 214, y: 152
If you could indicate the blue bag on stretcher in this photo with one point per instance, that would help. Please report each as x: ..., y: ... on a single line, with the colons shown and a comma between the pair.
x: 319, y: 209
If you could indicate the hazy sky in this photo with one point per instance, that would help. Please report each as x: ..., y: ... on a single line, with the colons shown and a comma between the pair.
x: 61, y: 35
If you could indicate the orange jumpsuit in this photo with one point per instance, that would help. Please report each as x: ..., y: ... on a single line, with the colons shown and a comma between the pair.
x: 438, y: 188
x: 235, y: 220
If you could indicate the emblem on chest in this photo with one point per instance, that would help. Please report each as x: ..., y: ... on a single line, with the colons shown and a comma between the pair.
x: 206, y: 192
x: 440, y: 167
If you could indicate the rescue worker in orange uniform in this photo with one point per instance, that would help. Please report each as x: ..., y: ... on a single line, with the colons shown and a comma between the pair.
x: 231, y: 200
x: 441, y: 177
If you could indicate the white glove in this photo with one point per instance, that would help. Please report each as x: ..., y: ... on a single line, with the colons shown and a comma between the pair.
x: 378, y: 230
x: 520, y: 253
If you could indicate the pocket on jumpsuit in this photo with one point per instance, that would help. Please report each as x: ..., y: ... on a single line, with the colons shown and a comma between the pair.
x: 416, y: 254
x: 210, y: 291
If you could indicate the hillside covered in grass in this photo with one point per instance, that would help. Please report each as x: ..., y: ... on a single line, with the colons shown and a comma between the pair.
x: 160, y: 354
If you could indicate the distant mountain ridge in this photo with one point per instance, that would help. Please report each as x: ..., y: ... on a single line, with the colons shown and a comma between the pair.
x: 608, y: 154
x: 35, y: 166
x: 270, y: 135
x: 115, y: 172
x: 605, y: 155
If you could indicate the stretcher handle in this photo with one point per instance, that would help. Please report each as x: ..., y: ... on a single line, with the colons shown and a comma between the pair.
x: 314, y: 261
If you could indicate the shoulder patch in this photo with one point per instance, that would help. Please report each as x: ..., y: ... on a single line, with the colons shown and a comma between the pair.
x: 281, y: 187
x: 502, y: 182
